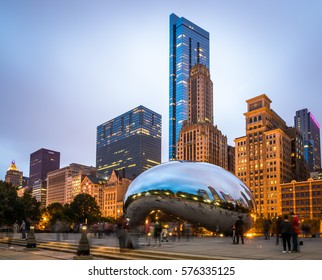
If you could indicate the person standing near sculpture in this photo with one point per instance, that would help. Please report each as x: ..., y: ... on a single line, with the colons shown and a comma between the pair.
x: 295, y: 231
x: 286, y: 231
x: 278, y: 228
x: 157, y: 233
x: 239, y: 225
x: 267, y: 227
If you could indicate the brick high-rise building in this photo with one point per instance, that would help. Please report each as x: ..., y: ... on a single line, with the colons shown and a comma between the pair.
x: 199, y: 139
x: 304, y: 198
x: 263, y: 155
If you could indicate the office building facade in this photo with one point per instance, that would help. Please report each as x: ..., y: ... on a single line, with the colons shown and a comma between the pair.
x: 129, y: 142
x: 303, y: 198
x: 94, y: 186
x: 263, y: 156
x: 310, y: 129
x: 199, y: 139
x: 65, y: 183
x: 114, y: 193
x: 189, y: 45
x: 42, y: 162
x: 14, y: 176
x: 300, y: 168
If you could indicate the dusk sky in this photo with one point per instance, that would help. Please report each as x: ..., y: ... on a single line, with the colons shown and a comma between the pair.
x: 68, y: 66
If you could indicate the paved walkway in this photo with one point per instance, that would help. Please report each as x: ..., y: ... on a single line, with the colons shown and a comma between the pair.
x: 253, y: 249
x: 214, y: 247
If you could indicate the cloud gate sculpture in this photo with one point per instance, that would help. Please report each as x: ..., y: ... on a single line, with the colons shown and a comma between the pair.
x: 199, y: 193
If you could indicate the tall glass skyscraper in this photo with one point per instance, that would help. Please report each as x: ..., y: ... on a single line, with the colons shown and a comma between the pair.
x: 42, y: 162
x: 189, y: 45
x: 130, y: 142
x: 310, y: 129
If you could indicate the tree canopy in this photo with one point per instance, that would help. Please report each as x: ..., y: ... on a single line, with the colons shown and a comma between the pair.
x: 85, y: 208
x: 14, y: 208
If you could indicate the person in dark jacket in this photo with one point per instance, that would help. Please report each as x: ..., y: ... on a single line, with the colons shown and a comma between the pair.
x: 239, y: 225
x: 278, y: 228
x: 267, y: 228
x: 286, y: 231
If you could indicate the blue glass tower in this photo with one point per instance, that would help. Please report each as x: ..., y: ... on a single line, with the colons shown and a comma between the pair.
x: 189, y: 45
x: 130, y: 143
x: 310, y: 129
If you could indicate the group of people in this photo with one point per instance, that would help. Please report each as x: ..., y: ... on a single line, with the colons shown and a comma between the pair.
x: 289, y: 229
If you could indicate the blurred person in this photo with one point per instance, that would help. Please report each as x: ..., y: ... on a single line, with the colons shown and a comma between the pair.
x: 100, y: 229
x: 58, y: 229
x: 121, y: 235
x: 164, y: 235
x: 267, y: 228
x: 23, y: 229
x: 150, y: 233
x: 278, y: 228
x: 15, y: 228
x: 233, y: 233
x: 157, y: 233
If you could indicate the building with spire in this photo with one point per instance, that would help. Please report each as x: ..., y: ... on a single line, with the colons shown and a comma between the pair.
x: 13, y: 175
x: 199, y: 139
x: 189, y: 45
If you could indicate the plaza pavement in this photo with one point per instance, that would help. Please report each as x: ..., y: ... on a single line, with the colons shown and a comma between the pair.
x: 220, y: 248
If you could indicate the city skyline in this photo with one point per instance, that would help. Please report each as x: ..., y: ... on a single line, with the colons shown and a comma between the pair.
x: 66, y: 68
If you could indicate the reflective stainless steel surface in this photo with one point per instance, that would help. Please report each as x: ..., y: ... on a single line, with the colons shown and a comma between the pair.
x: 199, y: 193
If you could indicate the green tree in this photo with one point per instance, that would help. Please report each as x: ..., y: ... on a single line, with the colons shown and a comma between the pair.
x: 55, y: 211
x: 8, y: 205
x: 14, y: 208
x: 29, y: 207
x: 84, y: 207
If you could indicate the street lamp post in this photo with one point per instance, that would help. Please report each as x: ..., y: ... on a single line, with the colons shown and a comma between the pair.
x: 83, y: 250
x: 31, y: 240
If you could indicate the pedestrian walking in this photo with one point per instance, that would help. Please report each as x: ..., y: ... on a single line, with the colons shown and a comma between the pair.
x: 286, y: 231
x: 23, y: 229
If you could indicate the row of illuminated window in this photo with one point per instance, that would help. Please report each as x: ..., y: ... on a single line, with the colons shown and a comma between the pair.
x: 274, y: 202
